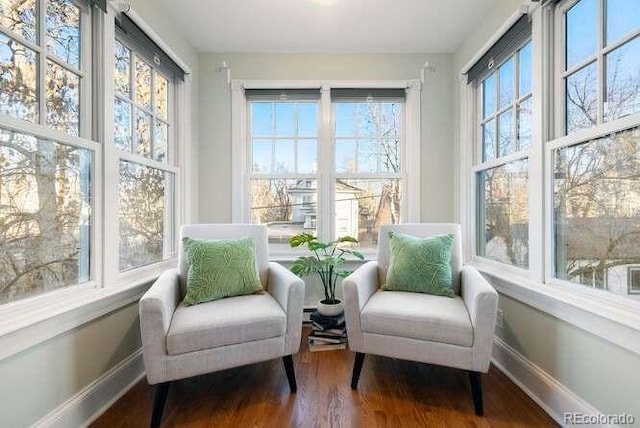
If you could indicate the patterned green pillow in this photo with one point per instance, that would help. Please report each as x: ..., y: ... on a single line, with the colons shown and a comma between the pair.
x: 420, y: 264
x: 220, y: 268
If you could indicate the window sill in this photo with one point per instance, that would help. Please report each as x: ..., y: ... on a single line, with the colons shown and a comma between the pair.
x: 607, y: 317
x: 30, y: 321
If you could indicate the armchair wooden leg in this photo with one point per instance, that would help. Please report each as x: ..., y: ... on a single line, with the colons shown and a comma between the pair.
x: 291, y: 375
x: 476, y: 390
x: 158, y: 403
x: 357, y: 367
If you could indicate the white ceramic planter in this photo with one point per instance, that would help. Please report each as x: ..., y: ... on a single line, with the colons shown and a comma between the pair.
x: 330, y: 310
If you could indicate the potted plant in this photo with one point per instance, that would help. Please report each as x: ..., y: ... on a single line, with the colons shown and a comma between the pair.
x: 326, y: 262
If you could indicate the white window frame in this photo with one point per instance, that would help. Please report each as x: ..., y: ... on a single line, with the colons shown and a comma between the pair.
x: 612, y: 317
x: 32, y: 320
x: 410, y: 153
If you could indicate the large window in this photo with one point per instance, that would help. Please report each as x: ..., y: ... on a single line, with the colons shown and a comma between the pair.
x: 557, y: 191
x: 596, y: 169
x: 47, y: 155
x: 330, y: 165
x: 505, y: 99
x: 81, y: 201
x: 143, y: 138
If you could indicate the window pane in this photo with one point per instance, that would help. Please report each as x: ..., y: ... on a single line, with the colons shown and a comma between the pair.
x: 389, y: 155
x: 504, y: 214
x: 597, y: 211
x: 145, y: 215
x: 160, y: 140
x: 506, y: 83
x: 489, y: 96
x: 261, y: 151
x: 367, y: 119
x: 345, y: 119
x: 63, y: 31
x: 45, y: 206
x: 162, y: 96
x: 362, y: 206
x: 634, y: 280
x: 346, y: 156
x: 507, y: 141
x: 261, y: 119
x: 284, y: 156
x: 122, y: 72
x: 390, y: 120
x: 623, y: 17
x: 287, y: 207
x: 308, y: 119
x: 623, y: 81
x: 367, y: 156
x: 143, y: 83
x: 63, y: 99
x: 20, y: 16
x: 122, y: 125
x: 582, y: 32
x: 525, y: 111
x: 489, y: 140
x: 581, y: 99
x: 18, y: 80
x: 143, y: 133
x: 285, y: 122
x: 307, y: 156
x: 526, y: 70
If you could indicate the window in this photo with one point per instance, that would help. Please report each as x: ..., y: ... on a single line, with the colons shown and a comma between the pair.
x: 503, y: 89
x: 634, y: 280
x: 596, y: 168
x: 47, y: 155
x: 340, y: 174
x: 143, y: 133
x: 56, y: 172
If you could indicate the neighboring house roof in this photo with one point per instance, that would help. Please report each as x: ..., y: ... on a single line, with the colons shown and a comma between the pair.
x: 602, y: 238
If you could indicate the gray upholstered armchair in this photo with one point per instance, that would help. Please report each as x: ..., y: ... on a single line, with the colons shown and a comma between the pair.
x: 182, y: 341
x: 455, y: 332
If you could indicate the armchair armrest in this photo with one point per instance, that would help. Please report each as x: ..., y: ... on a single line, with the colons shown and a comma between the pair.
x: 482, y: 303
x: 288, y: 290
x: 156, y: 309
x: 357, y: 288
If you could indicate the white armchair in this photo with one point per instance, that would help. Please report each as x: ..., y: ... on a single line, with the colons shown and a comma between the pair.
x: 455, y: 332
x: 181, y: 341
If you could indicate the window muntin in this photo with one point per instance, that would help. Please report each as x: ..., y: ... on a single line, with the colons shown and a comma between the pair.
x: 45, y: 213
x: 46, y: 183
x: 367, y: 192
x: 502, y: 192
x: 23, y: 59
x: 596, y: 186
x: 283, y: 159
x: 146, y: 178
x: 600, y: 65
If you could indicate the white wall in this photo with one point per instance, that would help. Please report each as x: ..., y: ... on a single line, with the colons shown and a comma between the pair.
x: 603, y: 374
x: 38, y: 380
x: 215, y: 116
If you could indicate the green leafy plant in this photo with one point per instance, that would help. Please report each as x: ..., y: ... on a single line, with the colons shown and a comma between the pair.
x: 326, y: 261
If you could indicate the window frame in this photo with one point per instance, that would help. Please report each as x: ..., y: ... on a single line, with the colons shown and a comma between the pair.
x: 612, y: 317
x: 28, y: 321
x: 326, y: 175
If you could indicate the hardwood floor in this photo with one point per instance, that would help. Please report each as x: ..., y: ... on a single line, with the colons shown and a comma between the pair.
x: 391, y: 393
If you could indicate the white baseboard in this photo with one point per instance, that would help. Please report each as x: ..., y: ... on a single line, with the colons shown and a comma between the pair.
x: 555, y: 398
x: 94, y: 399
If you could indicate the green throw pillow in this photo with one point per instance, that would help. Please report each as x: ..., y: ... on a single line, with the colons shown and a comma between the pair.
x: 420, y: 264
x: 220, y: 268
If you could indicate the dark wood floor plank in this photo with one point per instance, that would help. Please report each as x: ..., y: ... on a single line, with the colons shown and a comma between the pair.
x: 391, y: 393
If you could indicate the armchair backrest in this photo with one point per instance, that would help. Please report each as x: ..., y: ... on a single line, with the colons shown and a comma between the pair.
x: 421, y: 230
x: 225, y: 231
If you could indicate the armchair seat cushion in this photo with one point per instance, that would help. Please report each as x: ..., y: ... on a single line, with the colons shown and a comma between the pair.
x: 225, y: 322
x: 418, y: 316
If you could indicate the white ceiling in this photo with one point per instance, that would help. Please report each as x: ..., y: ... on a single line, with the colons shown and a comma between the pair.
x: 306, y: 26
